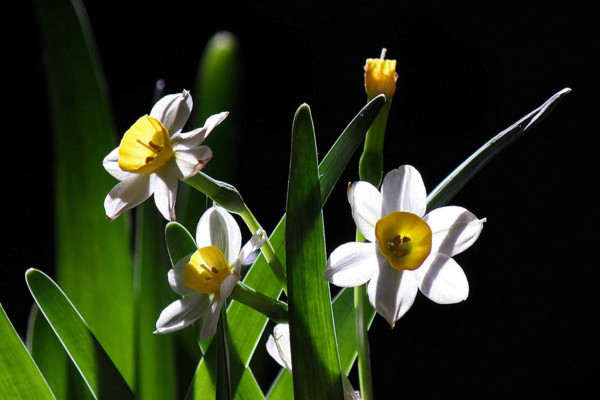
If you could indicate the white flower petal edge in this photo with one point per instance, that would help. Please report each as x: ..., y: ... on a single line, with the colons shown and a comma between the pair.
x: 403, y: 190
x: 352, y: 264
x: 392, y: 292
x: 365, y: 202
x: 182, y: 313
x: 173, y: 112
x: 454, y: 229
x: 128, y: 194
x: 442, y: 280
x: 218, y: 228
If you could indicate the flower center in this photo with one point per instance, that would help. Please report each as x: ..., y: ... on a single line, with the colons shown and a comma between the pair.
x: 404, y: 239
x: 206, y: 270
x: 145, y: 147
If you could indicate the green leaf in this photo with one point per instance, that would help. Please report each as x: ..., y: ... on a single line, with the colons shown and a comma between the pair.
x: 215, y: 90
x: 93, y: 258
x: 283, y: 387
x: 223, y: 389
x: 95, y: 366
x: 312, y: 334
x: 180, y: 242
x: 246, y: 332
x: 48, y: 353
x: 448, y: 188
x: 20, y: 378
x: 154, y: 361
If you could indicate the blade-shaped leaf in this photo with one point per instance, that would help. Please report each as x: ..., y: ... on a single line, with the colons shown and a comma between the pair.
x: 247, y: 330
x: 215, y: 90
x: 448, y: 188
x: 154, y: 361
x: 95, y: 366
x: 283, y: 387
x: 93, y: 258
x: 223, y: 389
x: 314, y: 350
x: 20, y: 378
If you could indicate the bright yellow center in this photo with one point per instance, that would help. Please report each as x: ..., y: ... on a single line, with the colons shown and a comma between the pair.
x: 145, y: 147
x: 404, y: 239
x: 206, y: 270
x: 380, y: 77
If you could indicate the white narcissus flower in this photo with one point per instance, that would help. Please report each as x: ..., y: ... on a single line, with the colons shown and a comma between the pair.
x: 154, y: 155
x: 279, y: 348
x: 408, y: 251
x: 207, y: 277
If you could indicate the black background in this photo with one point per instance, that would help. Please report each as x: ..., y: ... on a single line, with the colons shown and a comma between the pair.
x: 467, y: 70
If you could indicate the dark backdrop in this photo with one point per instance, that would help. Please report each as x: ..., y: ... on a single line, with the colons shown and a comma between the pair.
x: 467, y: 69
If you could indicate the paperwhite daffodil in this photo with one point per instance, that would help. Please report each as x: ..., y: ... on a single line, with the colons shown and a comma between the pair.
x: 278, y: 347
x: 407, y: 251
x: 154, y: 155
x: 207, y: 277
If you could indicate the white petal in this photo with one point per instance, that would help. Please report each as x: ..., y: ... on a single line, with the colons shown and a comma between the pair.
x: 173, y: 111
x: 111, y: 165
x: 454, y: 229
x: 218, y: 228
x: 365, y: 201
x: 209, y: 326
x: 278, y: 345
x: 197, y: 136
x: 255, y: 242
x: 190, y: 162
x: 352, y: 264
x: 227, y: 285
x: 127, y: 194
x: 403, y: 190
x: 182, y: 313
x: 442, y: 279
x: 392, y: 292
x: 165, y: 192
x: 175, y: 277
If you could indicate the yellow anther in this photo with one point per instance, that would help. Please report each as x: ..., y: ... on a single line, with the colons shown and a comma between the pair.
x: 404, y: 239
x: 206, y: 270
x: 145, y: 147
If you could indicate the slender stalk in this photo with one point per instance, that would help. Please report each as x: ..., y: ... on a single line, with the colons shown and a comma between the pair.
x: 274, y: 309
x: 229, y: 198
x: 370, y: 166
x: 361, y: 303
x: 267, y: 249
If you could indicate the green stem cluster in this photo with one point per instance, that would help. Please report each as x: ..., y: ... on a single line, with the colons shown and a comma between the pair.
x: 228, y: 197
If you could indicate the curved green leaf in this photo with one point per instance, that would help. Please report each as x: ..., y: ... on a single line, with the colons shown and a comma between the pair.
x: 448, y: 188
x: 20, y: 378
x: 314, y: 349
x: 97, y: 369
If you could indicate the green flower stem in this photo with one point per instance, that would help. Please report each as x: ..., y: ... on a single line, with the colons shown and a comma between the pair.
x: 274, y: 309
x: 228, y: 197
x: 370, y: 167
x: 267, y: 249
x: 362, y: 319
x: 361, y: 304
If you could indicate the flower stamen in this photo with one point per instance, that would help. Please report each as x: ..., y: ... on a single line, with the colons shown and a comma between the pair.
x: 145, y: 147
x: 206, y: 270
